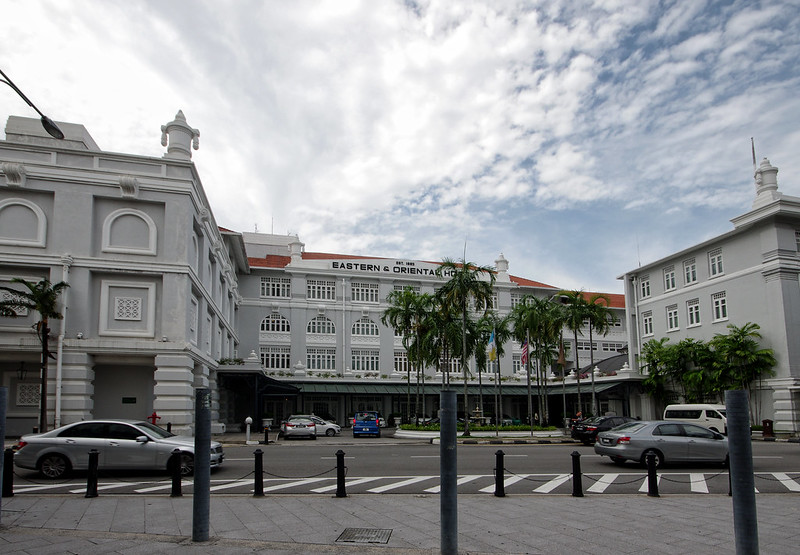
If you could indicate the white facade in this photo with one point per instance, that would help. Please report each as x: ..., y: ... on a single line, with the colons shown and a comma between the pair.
x: 749, y: 274
x: 153, y: 296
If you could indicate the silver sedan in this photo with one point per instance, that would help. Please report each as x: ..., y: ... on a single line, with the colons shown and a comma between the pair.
x: 121, y: 444
x: 669, y: 441
x: 299, y: 426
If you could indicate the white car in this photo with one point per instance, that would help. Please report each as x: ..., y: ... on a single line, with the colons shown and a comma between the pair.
x: 121, y: 444
x: 326, y: 427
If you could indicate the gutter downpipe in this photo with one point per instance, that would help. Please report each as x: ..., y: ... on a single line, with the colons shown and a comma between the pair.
x: 66, y: 262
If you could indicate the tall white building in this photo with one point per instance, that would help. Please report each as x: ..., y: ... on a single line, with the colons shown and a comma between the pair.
x: 749, y: 274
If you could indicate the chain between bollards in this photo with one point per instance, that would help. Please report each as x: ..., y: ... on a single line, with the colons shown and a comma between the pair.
x: 258, y: 478
x: 91, y: 477
x: 499, y: 476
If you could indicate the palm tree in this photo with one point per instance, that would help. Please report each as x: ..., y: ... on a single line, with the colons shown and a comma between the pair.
x: 489, y: 326
x: 741, y: 360
x: 575, y: 307
x: 599, y: 314
x: 41, y: 297
x: 466, y: 283
x: 406, y: 312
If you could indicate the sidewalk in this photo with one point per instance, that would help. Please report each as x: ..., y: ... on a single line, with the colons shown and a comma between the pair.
x: 696, y: 524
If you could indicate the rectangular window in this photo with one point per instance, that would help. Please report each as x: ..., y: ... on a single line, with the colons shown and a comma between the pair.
x: 715, y: 262
x: 276, y: 287
x: 689, y: 271
x: 614, y: 322
x: 644, y: 285
x: 401, y: 365
x: 365, y: 360
x: 414, y: 288
x: 720, y: 306
x: 613, y: 347
x: 365, y: 293
x: 275, y: 358
x: 516, y: 364
x: 672, y: 317
x: 647, y: 323
x: 669, y: 278
x: 321, y: 359
x: 320, y: 290
x: 693, y: 312
x: 515, y: 299
x: 585, y: 345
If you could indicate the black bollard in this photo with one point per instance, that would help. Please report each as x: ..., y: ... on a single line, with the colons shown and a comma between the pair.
x: 266, y: 435
x: 169, y: 427
x: 91, y: 477
x: 499, y: 475
x: 258, y: 477
x: 577, y: 484
x: 175, y: 471
x: 652, y: 478
x: 340, y: 492
x: 8, y: 473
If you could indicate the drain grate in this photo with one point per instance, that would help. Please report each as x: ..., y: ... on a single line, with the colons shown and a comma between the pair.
x: 364, y: 535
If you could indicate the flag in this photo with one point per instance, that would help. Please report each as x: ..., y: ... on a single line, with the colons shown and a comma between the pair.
x: 525, y: 352
x: 492, y: 348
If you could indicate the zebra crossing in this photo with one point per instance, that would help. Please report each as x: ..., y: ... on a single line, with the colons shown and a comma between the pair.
x: 544, y: 484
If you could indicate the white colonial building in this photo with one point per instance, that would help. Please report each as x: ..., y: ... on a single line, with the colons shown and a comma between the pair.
x: 163, y: 301
x: 749, y: 274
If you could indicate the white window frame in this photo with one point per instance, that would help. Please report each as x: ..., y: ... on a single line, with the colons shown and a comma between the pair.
x: 321, y: 359
x: 670, y: 283
x: 673, y: 323
x: 276, y: 323
x: 689, y: 271
x: 276, y: 358
x: 644, y: 287
x: 693, y: 313
x: 365, y: 292
x: 715, y: 266
x: 647, y: 323
x: 276, y: 288
x: 401, y: 363
x: 365, y: 360
x: 720, y: 303
x: 364, y: 327
x: 320, y: 290
x: 321, y: 326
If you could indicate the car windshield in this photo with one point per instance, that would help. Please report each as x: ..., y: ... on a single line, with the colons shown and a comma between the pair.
x: 154, y: 430
x: 593, y: 420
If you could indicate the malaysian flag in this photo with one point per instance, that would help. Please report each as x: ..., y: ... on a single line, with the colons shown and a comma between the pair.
x: 525, y: 352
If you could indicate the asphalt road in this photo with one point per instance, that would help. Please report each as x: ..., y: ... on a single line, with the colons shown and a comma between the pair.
x: 386, y: 465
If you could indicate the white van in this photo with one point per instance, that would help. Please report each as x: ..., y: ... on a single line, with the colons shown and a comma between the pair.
x: 709, y: 416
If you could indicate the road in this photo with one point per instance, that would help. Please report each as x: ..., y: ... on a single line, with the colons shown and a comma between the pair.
x: 387, y: 465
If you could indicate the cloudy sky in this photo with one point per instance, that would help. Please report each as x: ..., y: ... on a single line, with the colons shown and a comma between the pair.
x: 578, y: 138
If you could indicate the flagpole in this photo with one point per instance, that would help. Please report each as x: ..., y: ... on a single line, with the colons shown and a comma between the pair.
x: 528, y: 373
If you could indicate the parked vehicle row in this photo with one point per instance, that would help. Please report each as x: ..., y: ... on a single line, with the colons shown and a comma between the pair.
x: 309, y: 426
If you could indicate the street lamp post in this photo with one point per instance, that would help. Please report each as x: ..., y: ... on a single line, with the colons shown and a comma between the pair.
x: 48, y: 124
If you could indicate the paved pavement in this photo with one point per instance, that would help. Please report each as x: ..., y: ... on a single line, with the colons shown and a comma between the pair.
x: 396, y: 524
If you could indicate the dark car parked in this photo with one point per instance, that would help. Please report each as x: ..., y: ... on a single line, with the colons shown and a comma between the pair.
x: 586, y: 430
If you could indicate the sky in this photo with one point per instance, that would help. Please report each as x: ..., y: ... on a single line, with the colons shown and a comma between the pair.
x: 578, y: 138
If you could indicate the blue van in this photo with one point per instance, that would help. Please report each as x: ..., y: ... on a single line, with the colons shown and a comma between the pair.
x: 365, y: 423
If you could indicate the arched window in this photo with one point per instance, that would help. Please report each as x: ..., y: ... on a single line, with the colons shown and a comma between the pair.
x: 275, y: 322
x: 365, y: 326
x: 321, y: 325
x: 129, y: 231
x: 22, y: 223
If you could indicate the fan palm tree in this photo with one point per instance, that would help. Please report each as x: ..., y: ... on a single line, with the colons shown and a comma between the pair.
x: 600, y: 318
x: 575, y: 307
x: 467, y: 282
x: 41, y: 297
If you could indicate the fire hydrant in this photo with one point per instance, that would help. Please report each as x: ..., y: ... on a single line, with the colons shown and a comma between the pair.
x: 153, y: 417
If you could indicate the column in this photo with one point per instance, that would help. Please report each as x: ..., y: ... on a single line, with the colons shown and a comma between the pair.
x: 77, y: 391
x: 174, y: 392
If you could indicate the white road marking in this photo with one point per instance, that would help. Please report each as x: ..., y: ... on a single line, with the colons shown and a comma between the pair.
x: 553, y: 484
x: 784, y: 479
x: 462, y: 480
x: 698, y: 482
x: 507, y: 481
x: 396, y: 485
x: 346, y: 483
x: 602, y: 484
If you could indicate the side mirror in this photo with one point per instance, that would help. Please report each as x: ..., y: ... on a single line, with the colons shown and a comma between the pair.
x: 142, y: 439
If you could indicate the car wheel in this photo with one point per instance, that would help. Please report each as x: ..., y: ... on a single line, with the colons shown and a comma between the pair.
x: 619, y: 461
x: 187, y: 464
x: 54, y: 466
x: 330, y: 432
x: 659, y: 457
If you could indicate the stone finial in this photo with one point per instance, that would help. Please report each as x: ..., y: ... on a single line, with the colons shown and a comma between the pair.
x: 502, y: 268
x: 766, y: 178
x: 296, y: 249
x: 179, y: 136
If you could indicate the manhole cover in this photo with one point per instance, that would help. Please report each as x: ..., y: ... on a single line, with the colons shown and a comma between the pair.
x: 364, y: 535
